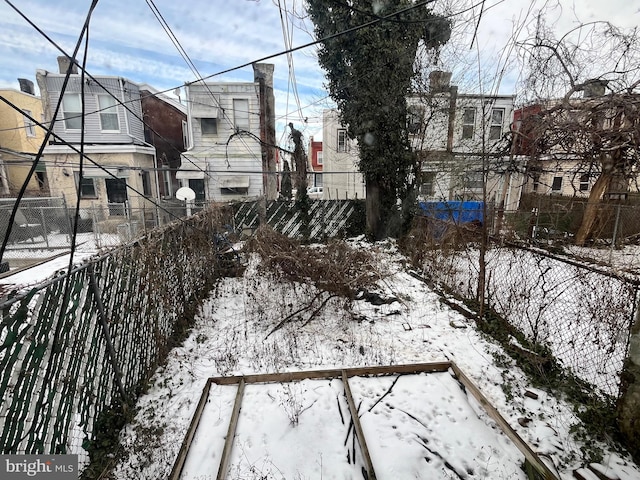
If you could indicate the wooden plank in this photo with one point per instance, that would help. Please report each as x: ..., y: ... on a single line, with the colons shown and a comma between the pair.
x: 334, y: 373
x: 231, y: 432
x: 357, y: 426
x: 529, y: 454
x: 186, y: 443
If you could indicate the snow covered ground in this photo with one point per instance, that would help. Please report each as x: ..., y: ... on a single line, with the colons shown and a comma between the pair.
x: 444, y: 434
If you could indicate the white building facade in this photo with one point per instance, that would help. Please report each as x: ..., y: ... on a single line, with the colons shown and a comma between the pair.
x: 225, y: 157
x: 461, y: 141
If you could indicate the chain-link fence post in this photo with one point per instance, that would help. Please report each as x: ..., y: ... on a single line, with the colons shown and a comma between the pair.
x: 45, y: 230
x: 629, y: 403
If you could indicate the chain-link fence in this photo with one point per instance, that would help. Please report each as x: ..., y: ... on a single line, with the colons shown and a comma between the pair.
x: 44, y: 227
x: 579, y: 312
x: 78, y: 347
x: 553, y: 222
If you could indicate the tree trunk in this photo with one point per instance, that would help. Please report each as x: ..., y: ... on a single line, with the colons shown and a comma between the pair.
x: 373, y: 209
x: 591, y: 211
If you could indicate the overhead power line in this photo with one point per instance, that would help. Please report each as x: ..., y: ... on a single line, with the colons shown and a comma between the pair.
x: 183, y: 53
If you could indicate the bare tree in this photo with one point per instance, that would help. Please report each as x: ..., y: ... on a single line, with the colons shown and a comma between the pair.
x: 584, y: 83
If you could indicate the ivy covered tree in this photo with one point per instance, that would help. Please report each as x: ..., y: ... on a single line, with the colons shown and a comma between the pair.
x: 370, y: 72
x: 286, y: 189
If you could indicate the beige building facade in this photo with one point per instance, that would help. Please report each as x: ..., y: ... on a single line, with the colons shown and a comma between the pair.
x: 20, y: 140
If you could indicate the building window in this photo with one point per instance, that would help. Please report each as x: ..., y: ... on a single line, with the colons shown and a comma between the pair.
x: 343, y: 145
x: 474, y: 180
x: 497, y: 118
x: 414, y: 119
x: 185, y: 134
x: 209, y: 126
x: 556, y: 186
x: 468, y: 122
x: 197, y: 185
x: 241, y: 114
x: 72, y: 111
x: 317, y: 180
x: 108, y: 113
x: 427, y: 187
x: 41, y: 178
x: 168, y: 191
x: 87, y: 187
x: 584, y: 182
x: 319, y: 158
x: 28, y: 124
x: 146, y: 184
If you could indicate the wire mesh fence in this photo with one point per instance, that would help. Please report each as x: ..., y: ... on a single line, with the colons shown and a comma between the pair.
x: 68, y: 345
x: 554, y: 221
x: 581, y: 313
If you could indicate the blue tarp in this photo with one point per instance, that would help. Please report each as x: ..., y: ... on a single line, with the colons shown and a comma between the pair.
x: 453, y: 211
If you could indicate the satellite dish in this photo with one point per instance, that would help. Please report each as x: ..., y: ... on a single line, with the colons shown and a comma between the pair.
x: 186, y: 194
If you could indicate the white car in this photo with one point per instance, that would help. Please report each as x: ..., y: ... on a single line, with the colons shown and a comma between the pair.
x: 314, y: 193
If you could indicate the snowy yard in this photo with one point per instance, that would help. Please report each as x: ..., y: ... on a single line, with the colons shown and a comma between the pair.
x: 426, y: 427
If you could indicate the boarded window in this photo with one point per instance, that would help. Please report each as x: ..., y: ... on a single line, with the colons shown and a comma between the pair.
x: 241, y: 114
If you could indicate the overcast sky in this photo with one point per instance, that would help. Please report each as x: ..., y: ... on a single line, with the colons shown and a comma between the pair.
x: 127, y: 40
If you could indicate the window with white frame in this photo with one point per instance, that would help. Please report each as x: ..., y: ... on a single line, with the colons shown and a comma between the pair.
x: 319, y: 158
x: 185, y: 134
x: 556, y: 186
x: 428, y: 185
x: 108, y: 113
x: 87, y: 187
x: 72, y: 111
x: 28, y: 124
x: 343, y: 141
x: 497, y: 118
x: 468, y: 122
x: 584, y: 182
x: 241, y: 113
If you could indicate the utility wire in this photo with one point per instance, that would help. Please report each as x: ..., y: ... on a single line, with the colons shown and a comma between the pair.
x: 77, y: 150
x: 41, y: 402
x: 49, y: 132
x: 174, y: 39
x: 118, y: 100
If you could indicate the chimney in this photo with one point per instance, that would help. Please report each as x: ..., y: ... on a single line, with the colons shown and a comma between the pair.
x: 439, y: 81
x: 63, y: 65
x: 26, y: 86
x: 594, y: 88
